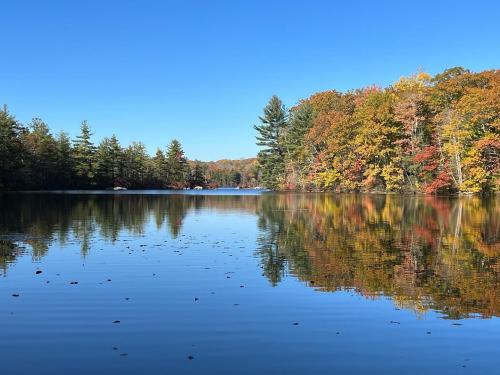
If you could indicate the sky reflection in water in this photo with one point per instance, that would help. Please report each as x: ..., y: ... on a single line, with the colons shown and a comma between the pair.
x: 248, y: 282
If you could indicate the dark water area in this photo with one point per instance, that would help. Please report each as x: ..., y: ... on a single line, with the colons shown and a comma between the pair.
x: 244, y: 282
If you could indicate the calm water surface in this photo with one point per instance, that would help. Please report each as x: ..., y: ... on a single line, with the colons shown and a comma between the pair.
x: 240, y: 282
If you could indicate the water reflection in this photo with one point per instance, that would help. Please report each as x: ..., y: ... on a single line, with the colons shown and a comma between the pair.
x: 423, y: 252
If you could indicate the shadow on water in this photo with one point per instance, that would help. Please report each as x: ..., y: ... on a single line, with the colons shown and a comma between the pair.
x: 423, y: 252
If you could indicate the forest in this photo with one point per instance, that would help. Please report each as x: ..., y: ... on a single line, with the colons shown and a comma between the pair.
x: 423, y: 134
x: 33, y: 158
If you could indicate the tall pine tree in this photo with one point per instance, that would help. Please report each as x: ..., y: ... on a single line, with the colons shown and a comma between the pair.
x: 270, y: 136
x: 84, y: 156
x: 159, y: 169
x: 41, y: 162
x: 64, y: 162
x: 177, y: 167
x: 135, y: 164
x: 12, y: 151
x: 109, y: 162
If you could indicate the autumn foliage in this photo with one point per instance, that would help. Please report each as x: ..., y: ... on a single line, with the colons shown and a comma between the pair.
x: 425, y: 134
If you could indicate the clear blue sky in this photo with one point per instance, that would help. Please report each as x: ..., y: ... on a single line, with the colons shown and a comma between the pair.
x: 201, y: 71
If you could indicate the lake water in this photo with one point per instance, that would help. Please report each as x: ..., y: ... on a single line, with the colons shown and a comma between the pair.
x: 244, y: 282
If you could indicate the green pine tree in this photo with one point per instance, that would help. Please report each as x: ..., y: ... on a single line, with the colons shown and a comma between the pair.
x: 159, y: 169
x: 177, y: 167
x: 84, y: 156
x: 298, y: 155
x: 109, y: 162
x: 64, y: 161
x: 41, y: 162
x: 12, y: 152
x: 270, y: 137
x: 197, y: 176
x: 300, y: 123
x: 136, y: 164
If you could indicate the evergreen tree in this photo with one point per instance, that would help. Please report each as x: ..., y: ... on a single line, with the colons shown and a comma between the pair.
x: 41, y: 162
x: 298, y: 154
x: 84, y: 156
x: 271, y: 130
x: 109, y: 162
x: 135, y: 164
x: 159, y: 168
x: 300, y: 123
x: 64, y: 162
x: 197, y: 176
x: 177, y: 167
x: 12, y: 152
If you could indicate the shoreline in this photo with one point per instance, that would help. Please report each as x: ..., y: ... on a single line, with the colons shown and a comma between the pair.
x: 263, y: 190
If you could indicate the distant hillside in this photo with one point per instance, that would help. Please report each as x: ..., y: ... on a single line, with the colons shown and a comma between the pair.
x: 225, y: 172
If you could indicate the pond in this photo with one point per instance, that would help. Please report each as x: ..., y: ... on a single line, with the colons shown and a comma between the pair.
x: 245, y: 282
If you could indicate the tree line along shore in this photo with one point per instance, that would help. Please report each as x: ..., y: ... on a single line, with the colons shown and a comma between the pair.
x: 34, y: 159
x: 435, y: 135
x: 423, y: 134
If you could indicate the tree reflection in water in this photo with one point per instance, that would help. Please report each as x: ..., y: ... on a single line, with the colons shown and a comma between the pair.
x: 423, y: 252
